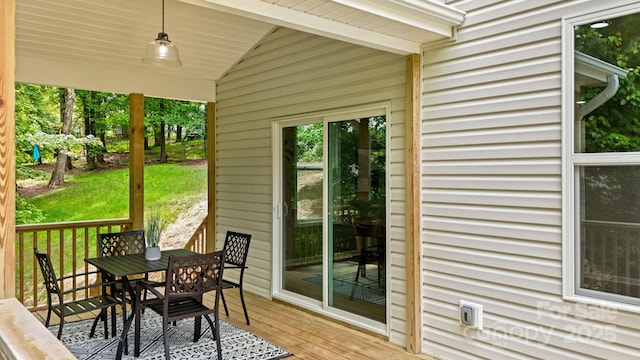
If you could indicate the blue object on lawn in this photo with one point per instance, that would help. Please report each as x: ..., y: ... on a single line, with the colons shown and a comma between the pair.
x: 36, y: 152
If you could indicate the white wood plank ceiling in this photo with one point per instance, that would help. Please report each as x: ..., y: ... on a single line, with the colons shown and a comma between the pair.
x: 98, y: 45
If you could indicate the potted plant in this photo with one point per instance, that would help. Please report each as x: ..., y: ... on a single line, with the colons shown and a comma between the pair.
x: 154, y: 225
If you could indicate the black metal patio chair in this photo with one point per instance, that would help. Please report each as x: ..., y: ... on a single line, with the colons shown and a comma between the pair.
x: 67, y: 308
x: 118, y: 244
x: 188, y: 278
x: 236, y: 249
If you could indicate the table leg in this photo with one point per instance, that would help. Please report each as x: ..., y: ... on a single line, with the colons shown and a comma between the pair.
x: 123, y: 343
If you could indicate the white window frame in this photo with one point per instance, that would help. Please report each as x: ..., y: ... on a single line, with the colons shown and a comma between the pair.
x: 570, y: 160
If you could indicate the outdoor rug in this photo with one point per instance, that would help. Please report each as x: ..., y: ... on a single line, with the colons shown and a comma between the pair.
x: 236, y: 342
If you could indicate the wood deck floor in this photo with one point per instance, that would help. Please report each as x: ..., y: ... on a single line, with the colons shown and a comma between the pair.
x: 304, y: 334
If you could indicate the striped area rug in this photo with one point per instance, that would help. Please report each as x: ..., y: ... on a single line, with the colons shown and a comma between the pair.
x: 236, y: 342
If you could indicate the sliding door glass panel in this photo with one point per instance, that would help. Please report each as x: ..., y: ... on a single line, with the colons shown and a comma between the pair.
x: 356, y: 217
x: 302, y: 210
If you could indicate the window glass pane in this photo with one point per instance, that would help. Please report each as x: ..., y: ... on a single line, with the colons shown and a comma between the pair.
x: 357, y: 221
x: 610, y: 229
x: 302, y: 220
x: 607, y: 85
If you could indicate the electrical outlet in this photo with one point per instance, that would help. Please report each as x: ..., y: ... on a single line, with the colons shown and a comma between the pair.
x: 471, y: 314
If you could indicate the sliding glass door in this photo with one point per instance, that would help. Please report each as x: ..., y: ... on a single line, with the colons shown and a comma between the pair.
x: 333, y: 228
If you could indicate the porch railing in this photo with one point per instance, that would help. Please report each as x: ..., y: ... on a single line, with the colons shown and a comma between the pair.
x: 198, y: 241
x: 68, y: 245
x: 611, y: 257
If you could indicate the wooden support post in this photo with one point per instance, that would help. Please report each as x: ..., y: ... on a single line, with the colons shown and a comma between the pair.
x: 413, y: 242
x: 7, y: 149
x: 211, y: 177
x: 136, y: 161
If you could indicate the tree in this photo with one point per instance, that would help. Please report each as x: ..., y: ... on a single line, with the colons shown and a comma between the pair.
x: 37, y: 109
x: 67, y: 98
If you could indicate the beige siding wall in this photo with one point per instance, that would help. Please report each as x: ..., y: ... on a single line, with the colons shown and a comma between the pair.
x: 492, y: 191
x: 291, y: 73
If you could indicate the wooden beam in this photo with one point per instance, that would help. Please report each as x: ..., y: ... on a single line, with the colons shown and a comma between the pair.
x: 7, y: 149
x: 413, y: 242
x: 211, y: 176
x: 136, y: 161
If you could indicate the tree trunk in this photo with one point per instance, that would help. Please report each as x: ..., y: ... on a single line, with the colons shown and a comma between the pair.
x: 163, y: 145
x: 100, y: 156
x: 161, y: 138
x: 89, y: 128
x: 178, y: 133
x: 158, y: 133
x: 67, y: 97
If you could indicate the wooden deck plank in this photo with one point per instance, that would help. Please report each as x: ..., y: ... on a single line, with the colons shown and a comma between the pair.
x: 306, y: 335
x: 316, y: 337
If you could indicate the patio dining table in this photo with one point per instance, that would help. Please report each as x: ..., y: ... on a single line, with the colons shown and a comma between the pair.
x: 125, y: 266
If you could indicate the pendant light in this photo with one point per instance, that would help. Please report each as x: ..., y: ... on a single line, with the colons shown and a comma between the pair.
x: 161, y: 51
x: 600, y: 25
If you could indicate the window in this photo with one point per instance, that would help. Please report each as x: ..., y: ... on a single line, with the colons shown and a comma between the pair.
x: 604, y: 158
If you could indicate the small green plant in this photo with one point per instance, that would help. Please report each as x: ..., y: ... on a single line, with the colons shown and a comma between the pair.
x: 154, y: 225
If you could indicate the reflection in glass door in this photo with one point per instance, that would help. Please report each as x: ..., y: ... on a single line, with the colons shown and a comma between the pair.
x: 343, y: 266
x: 302, y: 221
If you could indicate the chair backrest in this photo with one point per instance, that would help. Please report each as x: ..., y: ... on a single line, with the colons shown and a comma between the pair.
x: 50, y: 279
x: 122, y: 243
x: 236, y: 248
x: 194, y: 275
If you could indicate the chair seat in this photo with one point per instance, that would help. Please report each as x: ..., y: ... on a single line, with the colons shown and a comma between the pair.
x: 81, y: 306
x: 179, y: 308
x: 226, y: 284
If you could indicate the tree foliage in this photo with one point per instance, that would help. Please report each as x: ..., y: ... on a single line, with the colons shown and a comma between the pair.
x: 614, y: 126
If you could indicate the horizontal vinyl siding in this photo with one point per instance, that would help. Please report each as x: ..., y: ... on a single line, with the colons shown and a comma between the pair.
x: 492, y: 190
x: 290, y: 73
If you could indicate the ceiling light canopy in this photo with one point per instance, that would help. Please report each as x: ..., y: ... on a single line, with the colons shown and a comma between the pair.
x: 161, y: 51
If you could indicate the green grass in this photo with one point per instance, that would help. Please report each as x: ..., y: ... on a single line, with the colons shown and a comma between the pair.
x: 170, y: 188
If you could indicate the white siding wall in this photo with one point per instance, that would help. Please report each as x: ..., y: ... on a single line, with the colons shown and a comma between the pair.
x: 291, y: 73
x: 491, y: 191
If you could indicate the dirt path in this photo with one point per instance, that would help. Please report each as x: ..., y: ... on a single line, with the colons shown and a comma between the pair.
x: 178, y: 233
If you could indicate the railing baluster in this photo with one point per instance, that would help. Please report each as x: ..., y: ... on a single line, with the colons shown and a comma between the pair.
x: 627, y: 266
x: 34, y: 237
x: 21, y: 265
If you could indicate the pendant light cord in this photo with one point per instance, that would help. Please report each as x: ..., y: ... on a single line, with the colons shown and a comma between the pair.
x: 163, y: 16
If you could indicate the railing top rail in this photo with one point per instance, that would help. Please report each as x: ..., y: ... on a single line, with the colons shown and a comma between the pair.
x: 615, y: 224
x: 72, y: 224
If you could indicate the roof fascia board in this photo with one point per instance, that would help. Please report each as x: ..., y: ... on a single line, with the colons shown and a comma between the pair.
x: 278, y: 15
x: 595, y: 68
x: 423, y: 14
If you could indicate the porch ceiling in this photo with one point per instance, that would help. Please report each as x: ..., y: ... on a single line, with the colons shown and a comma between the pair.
x: 98, y: 45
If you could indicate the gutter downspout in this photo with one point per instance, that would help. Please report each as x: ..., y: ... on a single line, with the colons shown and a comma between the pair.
x: 606, y: 94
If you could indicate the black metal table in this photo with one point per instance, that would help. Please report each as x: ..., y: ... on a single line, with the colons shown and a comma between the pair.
x: 124, y: 266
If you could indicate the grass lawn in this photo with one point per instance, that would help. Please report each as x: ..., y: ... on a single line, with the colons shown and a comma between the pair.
x: 170, y: 188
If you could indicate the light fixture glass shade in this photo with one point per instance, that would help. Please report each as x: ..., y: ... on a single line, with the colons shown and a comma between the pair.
x: 600, y: 25
x: 161, y: 52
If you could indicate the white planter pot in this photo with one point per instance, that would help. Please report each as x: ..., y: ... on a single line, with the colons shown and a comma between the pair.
x: 152, y: 253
